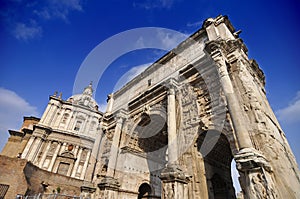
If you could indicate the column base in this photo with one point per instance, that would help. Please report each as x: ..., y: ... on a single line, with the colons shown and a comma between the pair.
x: 173, y: 172
x: 174, y: 182
x: 255, y: 175
x: 251, y: 159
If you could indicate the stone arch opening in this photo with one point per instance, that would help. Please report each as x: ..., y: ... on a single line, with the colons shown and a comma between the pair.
x: 151, y: 133
x: 145, y: 191
x: 217, y: 165
x: 150, y: 139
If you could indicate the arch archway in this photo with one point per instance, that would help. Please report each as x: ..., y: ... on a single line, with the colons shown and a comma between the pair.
x: 145, y: 191
x: 217, y: 164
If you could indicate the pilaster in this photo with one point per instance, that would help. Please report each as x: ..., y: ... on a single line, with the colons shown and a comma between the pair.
x: 28, y: 147
x: 34, y: 151
x: 54, y: 157
x: 45, y: 154
x: 77, y: 162
x: 85, y: 165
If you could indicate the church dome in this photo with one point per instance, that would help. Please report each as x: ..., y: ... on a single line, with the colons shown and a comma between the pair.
x: 85, y: 99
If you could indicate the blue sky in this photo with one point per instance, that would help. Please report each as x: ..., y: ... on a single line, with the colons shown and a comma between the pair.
x: 43, y: 43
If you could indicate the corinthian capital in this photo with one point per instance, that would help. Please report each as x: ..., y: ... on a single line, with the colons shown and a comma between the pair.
x: 120, y: 116
x: 172, y: 85
x: 215, y: 47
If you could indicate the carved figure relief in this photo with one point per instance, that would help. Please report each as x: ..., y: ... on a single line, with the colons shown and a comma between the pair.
x: 258, y: 190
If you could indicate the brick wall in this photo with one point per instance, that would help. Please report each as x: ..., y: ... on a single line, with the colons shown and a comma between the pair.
x: 25, y: 178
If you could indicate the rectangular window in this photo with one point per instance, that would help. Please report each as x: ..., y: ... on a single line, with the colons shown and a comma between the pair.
x: 78, y: 125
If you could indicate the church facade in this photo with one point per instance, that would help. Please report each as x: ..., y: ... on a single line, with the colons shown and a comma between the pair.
x: 171, y: 132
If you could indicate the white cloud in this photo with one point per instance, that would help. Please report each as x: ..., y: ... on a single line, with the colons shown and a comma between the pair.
x: 58, y: 9
x: 154, y: 4
x: 163, y: 39
x: 25, y: 19
x: 133, y: 72
x: 102, y: 107
x: 170, y: 41
x: 12, y: 109
x: 26, y: 32
x: 289, y: 118
x: 195, y: 24
x: 291, y: 113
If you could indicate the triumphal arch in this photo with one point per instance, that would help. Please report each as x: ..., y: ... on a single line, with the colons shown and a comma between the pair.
x: 172, y: 131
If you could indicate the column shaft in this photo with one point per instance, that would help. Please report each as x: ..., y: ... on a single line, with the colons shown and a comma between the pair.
x: 114, y: 148
x: 172, y: 135
x: 235, y: 111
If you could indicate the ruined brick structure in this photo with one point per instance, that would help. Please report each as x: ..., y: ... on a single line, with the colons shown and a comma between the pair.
x: 171, y: 132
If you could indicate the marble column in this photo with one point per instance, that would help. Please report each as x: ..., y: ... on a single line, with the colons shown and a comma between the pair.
x: 251, y: 164
x: 234, y: 108
x: 109, y: 185
x: 55, y: 115
x: 59, y: 118
x: 173, y: 178
x: 172, y: 134
x: 115, y: 147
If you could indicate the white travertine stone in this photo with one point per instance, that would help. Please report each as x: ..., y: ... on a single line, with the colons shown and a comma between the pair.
x: 41, y: 163
x: 117, y: 162
x: 54, y: 156
x: 28, y: 147
x: 172, y: 135
x: 76, y: 163
x: 85, y: 165
x: 233, y: 105
x: 114, y: 147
